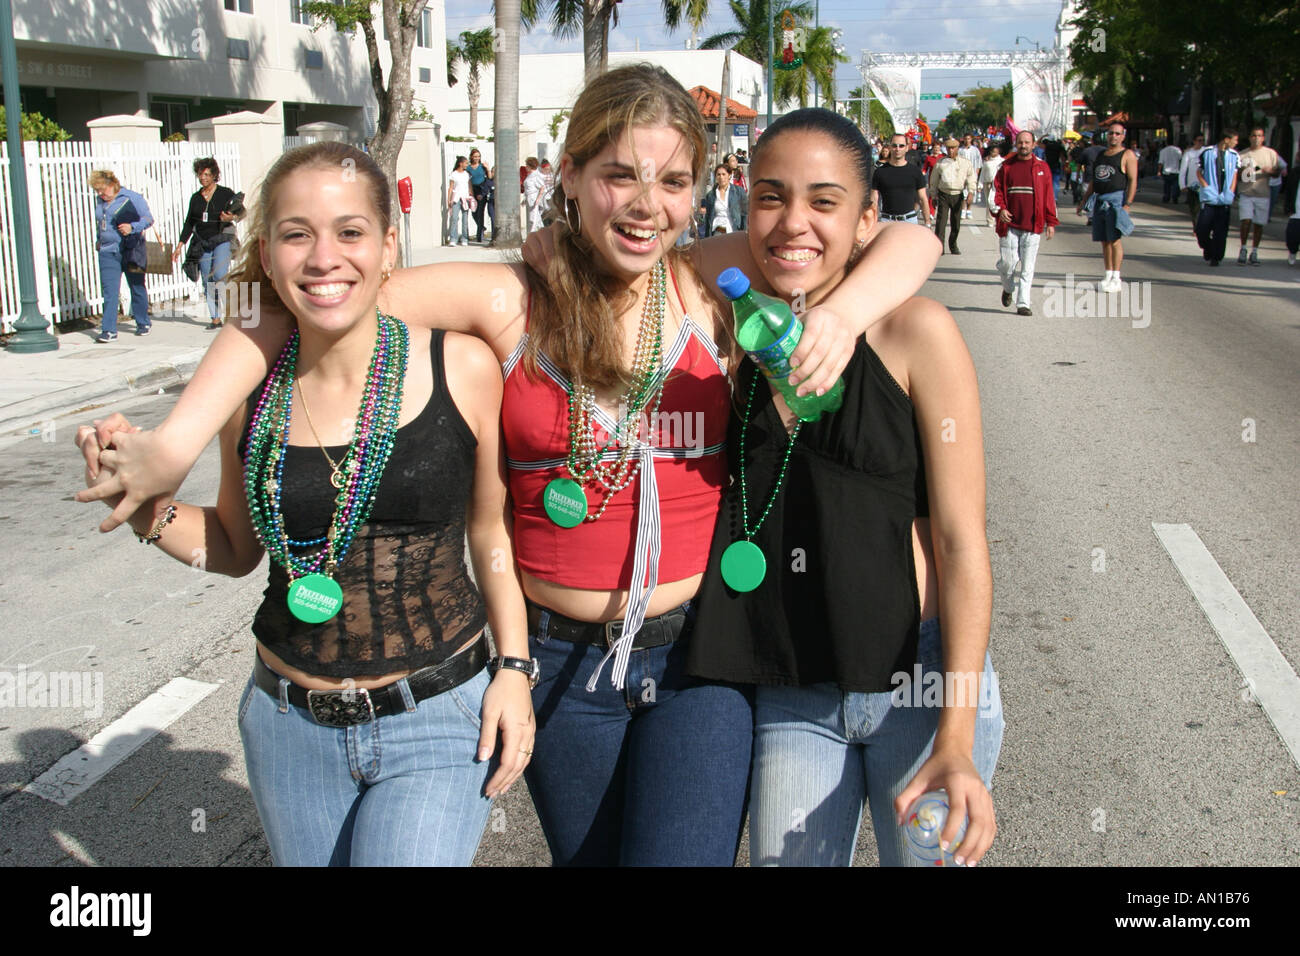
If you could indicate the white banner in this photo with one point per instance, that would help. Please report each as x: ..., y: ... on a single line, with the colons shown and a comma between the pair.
x: 1040, y: 99
x: 899, y: 89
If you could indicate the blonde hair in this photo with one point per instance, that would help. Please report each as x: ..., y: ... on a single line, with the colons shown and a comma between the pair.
x: 574, y: 316
x: 102, y: 177
x: 322, y: 155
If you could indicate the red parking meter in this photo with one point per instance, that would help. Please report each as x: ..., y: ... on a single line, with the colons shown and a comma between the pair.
x: 404, y: 193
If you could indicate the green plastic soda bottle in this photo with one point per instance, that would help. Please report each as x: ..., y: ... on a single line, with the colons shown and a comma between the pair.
x: 768, y: 332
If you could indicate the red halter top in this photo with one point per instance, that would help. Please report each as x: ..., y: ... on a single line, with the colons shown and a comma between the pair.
x: 673, y: 501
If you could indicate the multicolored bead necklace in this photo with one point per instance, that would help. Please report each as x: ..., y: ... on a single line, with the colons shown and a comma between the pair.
x: 314, y: 595
x: 564, y: 499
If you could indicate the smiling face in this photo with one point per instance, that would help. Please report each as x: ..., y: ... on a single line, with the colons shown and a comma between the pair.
x: 206, y: 178
x: 805, y: 213
x: 634, y: 197
x: 325, y: 249
x: 475, y: 157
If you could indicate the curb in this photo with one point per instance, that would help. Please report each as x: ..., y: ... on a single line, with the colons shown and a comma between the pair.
x: 175, y: 370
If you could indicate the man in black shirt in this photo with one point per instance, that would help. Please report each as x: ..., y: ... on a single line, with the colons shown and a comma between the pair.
x: 898, y: 187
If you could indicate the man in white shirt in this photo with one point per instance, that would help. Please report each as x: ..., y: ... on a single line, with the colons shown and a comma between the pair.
x: 971, y: 153
x: 1171, y: 158
x: 1258, y: 164
x: 1187, y: 175
x: 951, y: 177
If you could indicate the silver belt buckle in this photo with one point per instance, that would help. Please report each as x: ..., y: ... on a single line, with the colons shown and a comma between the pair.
x: 613, y: 631
x: 340, y: 708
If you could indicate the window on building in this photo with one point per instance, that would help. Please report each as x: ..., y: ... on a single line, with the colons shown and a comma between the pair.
x: 172, y: 115
x: 315, y: 60
x: 240, y: 6
x: 236, y: 49
x: 297, y: 14
x: 426, y: 75
x: 424, y: 35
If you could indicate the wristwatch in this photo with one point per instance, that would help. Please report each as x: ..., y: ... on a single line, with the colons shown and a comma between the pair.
x: 526, y: 665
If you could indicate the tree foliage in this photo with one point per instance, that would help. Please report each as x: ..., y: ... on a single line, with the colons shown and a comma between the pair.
x: 978, y: 108
x: 35, y: 126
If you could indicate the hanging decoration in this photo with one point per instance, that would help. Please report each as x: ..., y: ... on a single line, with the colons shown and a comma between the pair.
x: 793, y: 40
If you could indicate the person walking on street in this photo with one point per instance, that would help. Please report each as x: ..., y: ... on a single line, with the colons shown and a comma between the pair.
x: 1187, y: 176
x: 1114, y: 183
x: 724, y: 207
x: 478, y: 176
x: 459, y: 199
x: 1257, y: 164
x: 1171, y: 159
x: 535, y: 195
x: 898, y: 187
x: 1218, y: 174
x: 1291, y: 191
x: 993, y: 160
x: 210, y: 221
x: 971, y: 153
x: 950, y: 177
x: 1025, y: 200
x: 121, y: 217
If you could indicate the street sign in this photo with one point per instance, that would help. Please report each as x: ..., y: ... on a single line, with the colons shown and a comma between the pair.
x: 740, y: 129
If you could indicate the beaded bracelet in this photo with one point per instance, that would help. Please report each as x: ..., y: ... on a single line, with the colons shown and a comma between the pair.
x: 156, y: 531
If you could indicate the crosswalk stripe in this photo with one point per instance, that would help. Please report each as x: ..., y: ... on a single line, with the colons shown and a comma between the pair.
x: 1268, y: 676
x: 78, y: 771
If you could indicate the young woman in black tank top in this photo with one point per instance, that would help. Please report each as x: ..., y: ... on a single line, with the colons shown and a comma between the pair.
x: 383, y: 636
x: 878, y: 528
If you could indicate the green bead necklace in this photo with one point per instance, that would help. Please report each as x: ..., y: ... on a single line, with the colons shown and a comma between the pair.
x: 743, y: 565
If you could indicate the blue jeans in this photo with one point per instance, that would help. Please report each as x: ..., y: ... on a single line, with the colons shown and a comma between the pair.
x: 820, y: 752
x: 110, y: 276
x: 213, y: 266
x: 654, y: 774
x: 458, y: 224
x: 402, y: 790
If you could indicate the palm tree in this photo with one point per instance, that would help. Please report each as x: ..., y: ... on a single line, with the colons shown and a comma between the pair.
x: 454, y: 55
x: 819, y: 58
x: 749, y: 39
x: 476, y: 50
x: 505, y: 121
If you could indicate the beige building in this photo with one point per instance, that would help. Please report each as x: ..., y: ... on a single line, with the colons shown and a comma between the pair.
x: 186, y: 61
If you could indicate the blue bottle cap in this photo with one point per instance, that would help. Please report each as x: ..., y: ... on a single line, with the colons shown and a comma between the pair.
x: 733, y: 283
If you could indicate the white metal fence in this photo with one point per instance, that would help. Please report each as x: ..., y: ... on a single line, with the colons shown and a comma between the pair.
x: 61, y: 212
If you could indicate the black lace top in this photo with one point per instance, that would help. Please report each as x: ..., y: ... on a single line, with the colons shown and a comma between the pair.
x: 408, y: 600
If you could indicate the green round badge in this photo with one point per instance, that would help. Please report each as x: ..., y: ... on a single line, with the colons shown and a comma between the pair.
x: 743, y: 566
x: 315, y: 598
x: 565, y: 502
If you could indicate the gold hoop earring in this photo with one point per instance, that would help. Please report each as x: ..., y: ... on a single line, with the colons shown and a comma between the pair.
x: 567, y: 221
x: 385, y: 273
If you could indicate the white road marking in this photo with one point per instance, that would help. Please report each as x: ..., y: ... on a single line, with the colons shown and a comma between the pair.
x: 1269, y: 677
x: 76, y: 772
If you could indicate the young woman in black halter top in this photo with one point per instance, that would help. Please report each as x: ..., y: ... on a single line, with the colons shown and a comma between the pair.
x: 873, y: 530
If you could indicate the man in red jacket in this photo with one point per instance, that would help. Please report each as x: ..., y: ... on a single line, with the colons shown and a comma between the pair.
x: 1025, y: 204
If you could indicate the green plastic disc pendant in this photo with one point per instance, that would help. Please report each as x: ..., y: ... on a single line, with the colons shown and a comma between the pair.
x: 743, y: 566
x: 565, y: 502
x: 315, y: 598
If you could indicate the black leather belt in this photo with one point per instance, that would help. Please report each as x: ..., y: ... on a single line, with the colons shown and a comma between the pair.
x: 655, y: 632
x: 344, y: 708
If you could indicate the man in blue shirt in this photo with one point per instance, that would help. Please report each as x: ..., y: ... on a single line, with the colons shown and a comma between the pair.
x: 121, y: 217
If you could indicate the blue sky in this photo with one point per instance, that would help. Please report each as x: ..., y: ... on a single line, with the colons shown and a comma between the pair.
x: 898, y: 26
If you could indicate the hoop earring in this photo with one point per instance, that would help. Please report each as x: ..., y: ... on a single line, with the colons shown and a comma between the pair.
x: 567, y: 221
x: 856, y: 254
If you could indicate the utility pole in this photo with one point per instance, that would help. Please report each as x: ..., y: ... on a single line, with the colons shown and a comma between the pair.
x: 722, y: 107
x: 771, y: 59
x: 31, y: 327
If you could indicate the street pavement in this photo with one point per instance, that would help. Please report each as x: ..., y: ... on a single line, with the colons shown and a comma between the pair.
x: 1132, y: 737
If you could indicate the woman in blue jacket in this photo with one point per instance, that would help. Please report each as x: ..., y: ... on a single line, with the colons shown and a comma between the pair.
x: 725, y: 208
x: 121, y: 217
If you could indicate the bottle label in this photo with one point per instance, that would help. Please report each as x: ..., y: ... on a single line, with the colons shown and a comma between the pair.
x: 774, y: 360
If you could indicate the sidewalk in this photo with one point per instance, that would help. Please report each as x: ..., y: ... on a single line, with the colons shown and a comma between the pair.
x: 35, y: 388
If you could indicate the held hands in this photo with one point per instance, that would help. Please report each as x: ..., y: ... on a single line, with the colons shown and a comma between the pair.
x: 507, y: 708
x: 823, y: 352
x: 953, y: 771
x: 139, y: 465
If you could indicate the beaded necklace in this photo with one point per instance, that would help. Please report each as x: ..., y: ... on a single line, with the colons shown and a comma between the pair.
x: 564, y: 499
x: 314, y: 596
x: 743, y: 565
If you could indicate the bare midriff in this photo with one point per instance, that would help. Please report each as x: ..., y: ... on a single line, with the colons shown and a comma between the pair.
x: 316, y: 682
x: 927, y: 578
x: 583, y: 605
